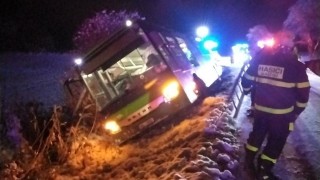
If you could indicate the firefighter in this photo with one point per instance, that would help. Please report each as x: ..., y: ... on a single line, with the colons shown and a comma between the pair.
x: 281, y: 94
x: 252, y: 89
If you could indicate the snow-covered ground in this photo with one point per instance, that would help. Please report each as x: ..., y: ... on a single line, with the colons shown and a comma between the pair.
x: 185, y: 152
x: 202, y: 146
x: 300, y: 159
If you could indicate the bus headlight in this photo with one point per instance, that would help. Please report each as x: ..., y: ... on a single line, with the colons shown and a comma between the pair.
x: 112, y: 126
x: 170, y: 91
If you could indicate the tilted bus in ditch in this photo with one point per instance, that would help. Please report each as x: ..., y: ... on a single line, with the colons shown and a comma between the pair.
x: 142, y: 74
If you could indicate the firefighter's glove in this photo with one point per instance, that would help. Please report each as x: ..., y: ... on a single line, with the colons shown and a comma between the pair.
x: 246, y: 92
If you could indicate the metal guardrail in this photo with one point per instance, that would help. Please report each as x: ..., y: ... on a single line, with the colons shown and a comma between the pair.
x: 237, y: 94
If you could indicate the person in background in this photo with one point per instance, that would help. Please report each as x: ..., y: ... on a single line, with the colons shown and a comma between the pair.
x: 281, y: 94
x: 201, y: 86
x: 155, y: 66
x: 155, y: 63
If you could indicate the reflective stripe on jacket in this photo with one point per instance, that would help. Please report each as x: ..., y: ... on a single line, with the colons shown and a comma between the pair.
x: 281, y: 82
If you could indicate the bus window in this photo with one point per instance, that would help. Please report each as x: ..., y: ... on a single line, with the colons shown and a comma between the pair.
x: 122, y: 72
x: 187, y: 51
x: 106, y: 78
x: 132, y: 71
x: 174, y: 47
x: 95, y: 89
x: 178, y: 60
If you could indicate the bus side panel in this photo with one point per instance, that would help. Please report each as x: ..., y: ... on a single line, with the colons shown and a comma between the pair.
x: 164, y: 111
x: 148, y: 109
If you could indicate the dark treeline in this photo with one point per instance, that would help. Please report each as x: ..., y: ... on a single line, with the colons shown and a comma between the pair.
x: 39, y: 25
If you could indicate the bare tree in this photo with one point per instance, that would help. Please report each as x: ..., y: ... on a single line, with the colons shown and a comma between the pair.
x: 304, y: 20
x: 100, y: 26
x: 255, y: 34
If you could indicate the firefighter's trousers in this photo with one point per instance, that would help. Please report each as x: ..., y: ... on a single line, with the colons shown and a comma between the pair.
x: 276, y: 129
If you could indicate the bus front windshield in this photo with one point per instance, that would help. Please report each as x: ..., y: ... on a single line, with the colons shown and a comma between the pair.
x: 132, y: 71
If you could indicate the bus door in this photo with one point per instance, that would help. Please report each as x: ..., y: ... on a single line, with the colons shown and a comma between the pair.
x: 180, y: 64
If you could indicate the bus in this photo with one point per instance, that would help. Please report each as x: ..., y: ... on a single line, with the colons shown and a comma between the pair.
x: 142, y: 74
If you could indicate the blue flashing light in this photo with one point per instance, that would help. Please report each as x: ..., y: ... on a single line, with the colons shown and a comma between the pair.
x: 210, y: 44
x: 202, y: 31
x: 197, y: 39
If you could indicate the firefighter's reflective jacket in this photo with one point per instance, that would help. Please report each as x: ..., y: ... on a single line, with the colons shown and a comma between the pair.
x: 280, y: 80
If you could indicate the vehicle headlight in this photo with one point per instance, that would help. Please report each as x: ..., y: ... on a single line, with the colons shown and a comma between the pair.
x: 170, y: 91
x: 112, y: 126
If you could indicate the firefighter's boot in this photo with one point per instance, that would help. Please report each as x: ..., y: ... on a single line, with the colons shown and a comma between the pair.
x: 264, y: 170
x: 249, y: 165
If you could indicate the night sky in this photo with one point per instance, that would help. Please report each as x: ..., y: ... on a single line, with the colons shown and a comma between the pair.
x: 50, y: 24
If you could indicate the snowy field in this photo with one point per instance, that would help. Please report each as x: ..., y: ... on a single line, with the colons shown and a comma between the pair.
x: 33, y: 77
